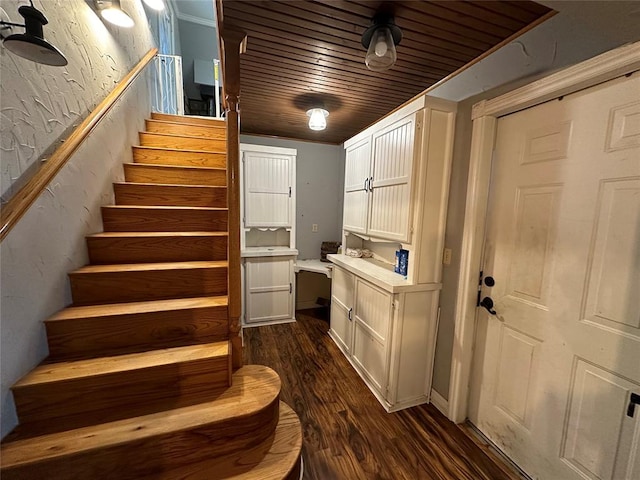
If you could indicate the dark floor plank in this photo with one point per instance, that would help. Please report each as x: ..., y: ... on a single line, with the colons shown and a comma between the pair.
x: 347, y: 433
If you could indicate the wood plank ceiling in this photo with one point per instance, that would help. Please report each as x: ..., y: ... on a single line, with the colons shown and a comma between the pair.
x: 302, y: 53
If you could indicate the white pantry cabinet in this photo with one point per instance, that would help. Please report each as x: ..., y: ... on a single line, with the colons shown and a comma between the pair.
x: 396, y: 191
x: 268, y: 234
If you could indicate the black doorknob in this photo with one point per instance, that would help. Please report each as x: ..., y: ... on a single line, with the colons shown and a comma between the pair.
x: 489, y: 281
x: 487, y: 303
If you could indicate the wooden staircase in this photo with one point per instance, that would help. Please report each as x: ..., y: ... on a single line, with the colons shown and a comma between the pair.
x: 139, y: 381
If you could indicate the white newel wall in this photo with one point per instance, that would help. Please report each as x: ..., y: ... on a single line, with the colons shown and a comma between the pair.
x: 40, y: 105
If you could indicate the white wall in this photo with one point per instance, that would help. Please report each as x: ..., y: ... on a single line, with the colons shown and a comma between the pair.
x: 38, y: 105
x: 319, y: 186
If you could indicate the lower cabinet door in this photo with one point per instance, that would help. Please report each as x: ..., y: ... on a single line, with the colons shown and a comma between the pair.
x: 372, y: 317
x: 342, y: 287
x: 269, y: 289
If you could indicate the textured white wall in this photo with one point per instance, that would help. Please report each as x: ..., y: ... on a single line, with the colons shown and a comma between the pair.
x: 38, y: 103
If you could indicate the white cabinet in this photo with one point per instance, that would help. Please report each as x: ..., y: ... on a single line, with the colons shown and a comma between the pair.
x: 268, y: 234
x: 269, y: 285
x: 389, y: 337
x: 378, y: 175
x: 268, y: 188
x: 396, y: 191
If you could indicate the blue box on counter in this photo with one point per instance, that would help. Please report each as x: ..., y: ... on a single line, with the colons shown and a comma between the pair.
x: 402, y: 262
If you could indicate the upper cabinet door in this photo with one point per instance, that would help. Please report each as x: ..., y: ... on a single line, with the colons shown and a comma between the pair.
x: 356, y: 182
x: 390, y: 184
x: 268, y: 186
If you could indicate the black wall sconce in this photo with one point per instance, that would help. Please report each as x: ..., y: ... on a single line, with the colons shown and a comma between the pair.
x: 31, y: 44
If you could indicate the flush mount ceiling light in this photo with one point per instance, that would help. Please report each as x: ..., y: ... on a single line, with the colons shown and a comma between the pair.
x: 31, y: 44
x: 317, y: 118
x: 112, y: 12
x: 154, y: 4
x: 380, y: 40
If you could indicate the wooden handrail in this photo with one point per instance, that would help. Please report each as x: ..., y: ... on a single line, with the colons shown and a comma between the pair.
x: 30, y: 191
x: 233, y: 42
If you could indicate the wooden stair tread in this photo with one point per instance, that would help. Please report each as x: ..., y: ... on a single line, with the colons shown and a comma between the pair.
x: 188, y: 120
x: 156, y: 234
x: 253, y: 388
x: 276, y: 458
x: 169, y: 185
x: 162, y: 207
x: 176, y: 167
x: 62, y: 371
x: 172, y: 149
x: 132, y: 267
x: 115, y: 309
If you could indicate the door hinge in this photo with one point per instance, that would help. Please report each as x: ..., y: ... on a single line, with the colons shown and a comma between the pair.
x: 289, y: 192
x: 290, y: 288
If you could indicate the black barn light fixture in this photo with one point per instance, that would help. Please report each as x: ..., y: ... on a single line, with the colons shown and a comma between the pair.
x: 380, y: 40
x: 31, y: 44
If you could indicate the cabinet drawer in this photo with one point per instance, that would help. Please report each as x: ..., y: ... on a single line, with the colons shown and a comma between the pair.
x: 371, y: 356
x: 269, y: 306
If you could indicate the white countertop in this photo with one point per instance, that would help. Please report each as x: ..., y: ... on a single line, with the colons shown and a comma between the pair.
x: 268, y: 252
x: 313, y: 265
x: 376, y: 272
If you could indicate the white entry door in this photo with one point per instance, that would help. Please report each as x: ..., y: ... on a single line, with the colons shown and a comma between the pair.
x: 556, y: 367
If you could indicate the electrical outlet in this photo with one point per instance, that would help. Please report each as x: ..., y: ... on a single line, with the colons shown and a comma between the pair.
x: 446, y: 257
x: 314, y: 227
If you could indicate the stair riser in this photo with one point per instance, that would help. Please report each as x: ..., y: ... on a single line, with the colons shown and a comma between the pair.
x: 140, y: 173
x: 136, y: 286
x: 186, y: 143
x: 156, y: 249
x: 206, y: 121
x: 119, y: 334
x: 179, y: 158
x: 170, y: 195
x: 151, y: 220
x: 111, y: 396
x: 138, y: 459
x: 184, y: 129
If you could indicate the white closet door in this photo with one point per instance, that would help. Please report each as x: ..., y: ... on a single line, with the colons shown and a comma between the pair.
x: 268, y: 187
x: 356, y: 177
x: 391, y: 185
x: 269, y: 287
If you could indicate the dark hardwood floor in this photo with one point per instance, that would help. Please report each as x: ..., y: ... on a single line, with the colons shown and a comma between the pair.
x: 347, y: 433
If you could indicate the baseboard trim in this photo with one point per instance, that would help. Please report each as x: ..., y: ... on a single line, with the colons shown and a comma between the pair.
x: 440, y: 403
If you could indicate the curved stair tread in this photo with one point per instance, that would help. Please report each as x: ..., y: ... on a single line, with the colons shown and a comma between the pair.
x: 181, y: 185
x: 132, y: 308
x: 276, y: 458
x: 254, y: 389
x: 164, y: 207
x: 74, y: 369
x: 152, y: 148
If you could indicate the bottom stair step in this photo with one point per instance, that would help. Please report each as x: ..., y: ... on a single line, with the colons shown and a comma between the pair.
x: 243, y: 416
x: 276, y: 458
x: 83, y: 392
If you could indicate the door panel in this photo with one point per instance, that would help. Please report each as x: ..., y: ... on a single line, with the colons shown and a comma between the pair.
x: 356, y: 196
x: 269, y: 289
x: 554, y: 369
x: 391, y: 187
x: 342, y: 293
x: 267, y: 190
